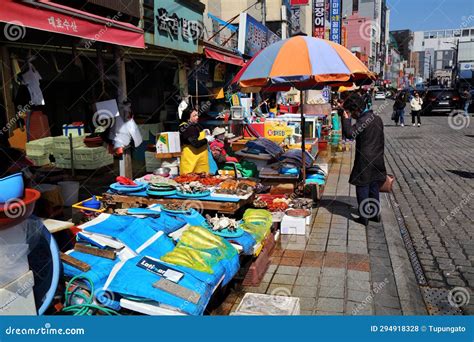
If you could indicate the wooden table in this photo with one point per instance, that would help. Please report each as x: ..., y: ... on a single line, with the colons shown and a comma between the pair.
x: 115, y: 201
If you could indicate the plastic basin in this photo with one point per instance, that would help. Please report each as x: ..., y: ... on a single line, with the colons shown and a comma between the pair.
x: 12, y: 188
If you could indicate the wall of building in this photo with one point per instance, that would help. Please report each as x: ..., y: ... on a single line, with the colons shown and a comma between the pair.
x: 440, y: 39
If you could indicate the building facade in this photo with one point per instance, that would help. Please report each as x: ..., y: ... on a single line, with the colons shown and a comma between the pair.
x: 443, y: 52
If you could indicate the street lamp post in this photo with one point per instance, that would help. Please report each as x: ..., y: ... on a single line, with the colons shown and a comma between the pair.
x: 430, y: 76
x: 454, y: 68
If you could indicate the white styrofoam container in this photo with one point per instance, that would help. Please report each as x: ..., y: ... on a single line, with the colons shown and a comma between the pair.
x: 83, y: 153
x: 17, y: 297
x: 85, y: 164
x: 14, y: 262
x: 293, y: 225
x: 268, y: 305
x: 62, y: 142
x: 40, y: 160
x: 40, y: 146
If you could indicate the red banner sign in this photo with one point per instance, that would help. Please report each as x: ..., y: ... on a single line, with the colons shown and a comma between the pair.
x: 299, y: 2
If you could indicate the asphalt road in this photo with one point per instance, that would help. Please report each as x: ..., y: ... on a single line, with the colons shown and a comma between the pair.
x: 434, y: 168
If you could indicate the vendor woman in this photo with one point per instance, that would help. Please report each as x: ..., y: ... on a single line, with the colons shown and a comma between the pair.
x: 194, y: 142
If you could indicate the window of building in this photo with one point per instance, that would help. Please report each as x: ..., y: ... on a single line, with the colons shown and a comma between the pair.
x: 465, y: 33
x: 472, y: 32
x: 441, y: 34
x: 148, y: 16
x: 426, y: 35
x: 432, y: 34
x: 457, y: 33
x: 449, y: 33
x: 355, y: 5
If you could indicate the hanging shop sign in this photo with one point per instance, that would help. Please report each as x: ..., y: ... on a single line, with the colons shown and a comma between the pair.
x: 335, y: 21
x: 253, y: 36
x: 177, y: 26
x: 318, y: 18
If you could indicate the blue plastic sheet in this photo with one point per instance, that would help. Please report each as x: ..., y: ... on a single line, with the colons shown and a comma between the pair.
x: 132, y: 280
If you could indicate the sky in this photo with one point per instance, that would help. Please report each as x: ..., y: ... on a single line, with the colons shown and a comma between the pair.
x: 422, y: 15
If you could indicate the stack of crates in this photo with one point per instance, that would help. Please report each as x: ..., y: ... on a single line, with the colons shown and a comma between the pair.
x: 85, y: 158
x: 39, y: 150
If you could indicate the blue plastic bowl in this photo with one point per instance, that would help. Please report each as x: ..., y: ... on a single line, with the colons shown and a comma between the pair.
x: 92, y: 204
x: 11, y: 187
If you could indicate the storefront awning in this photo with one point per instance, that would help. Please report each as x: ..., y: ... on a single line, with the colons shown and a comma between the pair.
x: 52, y: 17
x: 224, y: 57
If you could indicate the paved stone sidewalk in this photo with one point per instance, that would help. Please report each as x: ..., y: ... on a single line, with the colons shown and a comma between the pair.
x: 339, y: 267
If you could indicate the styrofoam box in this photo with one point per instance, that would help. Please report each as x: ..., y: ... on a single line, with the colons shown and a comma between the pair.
x: 40, y: 160
x: 293, y: 225
x: 85, y: 164
x: 17, y: 297
x: 14, y: 262
x: 39, y: 147
x: 268, y: 305
x: 83, y: 153
x: 62, y: 142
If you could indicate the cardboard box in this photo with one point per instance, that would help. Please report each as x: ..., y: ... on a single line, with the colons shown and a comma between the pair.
x: 168, y: 142
x: 293, y: 225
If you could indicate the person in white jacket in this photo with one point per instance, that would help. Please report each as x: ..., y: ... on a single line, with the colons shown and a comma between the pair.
x: 415, y: 104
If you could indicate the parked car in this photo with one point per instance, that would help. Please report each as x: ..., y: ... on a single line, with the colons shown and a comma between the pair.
x: 441, y: 100
x: 380, y: 95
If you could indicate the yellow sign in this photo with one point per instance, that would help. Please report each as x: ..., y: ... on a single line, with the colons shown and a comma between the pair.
x: 277, y: 131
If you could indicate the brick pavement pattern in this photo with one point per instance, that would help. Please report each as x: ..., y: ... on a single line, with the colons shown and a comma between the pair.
x: 339, y: 267
x: 434, y: 166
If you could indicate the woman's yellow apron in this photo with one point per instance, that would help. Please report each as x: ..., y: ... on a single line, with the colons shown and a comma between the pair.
x: 194, y: 160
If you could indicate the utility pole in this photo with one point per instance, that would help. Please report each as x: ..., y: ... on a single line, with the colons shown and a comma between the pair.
x: 264, y: 12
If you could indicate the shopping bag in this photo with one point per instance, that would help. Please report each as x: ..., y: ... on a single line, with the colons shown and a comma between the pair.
x: 394, y: 115
x: 388, y: 184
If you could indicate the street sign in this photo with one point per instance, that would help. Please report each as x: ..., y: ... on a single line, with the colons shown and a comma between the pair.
x: 253, y: 36
x: 318, y: 18
x: 335, y: 20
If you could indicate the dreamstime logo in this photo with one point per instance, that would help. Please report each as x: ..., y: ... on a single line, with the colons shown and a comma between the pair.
x: 368, y: 30
x: 194, y: 30
x: 14, y: 30
x: 459, y: 296
x: 281, y: 291
x: 377, y: 288
x: 369, y: 208
x: 196, y: 205
x: 103, y: 118
x: 105, y: 297
x: 466, y: 199
x: 15, y: 208
x: 458, y: 121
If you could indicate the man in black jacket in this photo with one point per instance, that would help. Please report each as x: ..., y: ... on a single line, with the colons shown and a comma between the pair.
x: 369, y: 171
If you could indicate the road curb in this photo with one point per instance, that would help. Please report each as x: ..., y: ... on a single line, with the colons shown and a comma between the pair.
x: 411, y: 299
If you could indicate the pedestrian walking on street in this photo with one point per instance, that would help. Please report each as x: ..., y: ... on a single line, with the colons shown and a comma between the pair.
x: 368, y: 100
x: 399, y: 109
x: 467, y: 97
x: 369, y: 170
x: 415, y: 105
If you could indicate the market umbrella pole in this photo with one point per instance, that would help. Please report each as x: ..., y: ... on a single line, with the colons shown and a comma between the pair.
x: 303, y: 145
